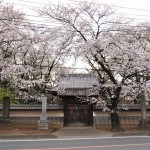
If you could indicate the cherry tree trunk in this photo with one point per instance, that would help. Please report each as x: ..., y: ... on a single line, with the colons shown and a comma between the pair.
x: 114, y: 115
x: 115, y: 122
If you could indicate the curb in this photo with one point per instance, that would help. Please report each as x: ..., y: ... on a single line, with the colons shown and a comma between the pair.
x: 26, y: 136
x: 56, y: 137
x: 144, y: 133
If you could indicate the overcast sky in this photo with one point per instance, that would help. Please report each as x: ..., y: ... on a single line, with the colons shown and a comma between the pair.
x: 137, y: 4
x: 137, y: 9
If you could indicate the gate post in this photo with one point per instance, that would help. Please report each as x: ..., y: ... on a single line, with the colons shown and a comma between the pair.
x: 43, y: 123
x: 144, y: 122
x: 6, y: 108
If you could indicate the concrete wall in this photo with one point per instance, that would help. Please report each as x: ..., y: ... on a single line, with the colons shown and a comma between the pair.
x: 121, y: 113
x: 100, y: 113
x: 28, y: 116
x: 54, y: 113
x: 126, y: 117
x: 57, y: 116
x: 32, y: 116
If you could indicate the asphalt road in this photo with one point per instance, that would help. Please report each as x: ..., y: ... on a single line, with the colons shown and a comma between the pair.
x: 102, y: 143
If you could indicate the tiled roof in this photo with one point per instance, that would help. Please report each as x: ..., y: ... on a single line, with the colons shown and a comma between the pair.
x: 77, y: 81
x: 33, y: 107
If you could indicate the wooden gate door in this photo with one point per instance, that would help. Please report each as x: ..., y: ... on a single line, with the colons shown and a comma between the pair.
x: 79, y: 115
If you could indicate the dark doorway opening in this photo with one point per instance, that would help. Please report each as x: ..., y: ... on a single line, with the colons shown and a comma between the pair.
x: 78, y: 115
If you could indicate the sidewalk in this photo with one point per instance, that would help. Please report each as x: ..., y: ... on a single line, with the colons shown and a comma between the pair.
x: 82, y: 132
x: 20, y: 131
x: 31, y: 132
x: 93, y: 132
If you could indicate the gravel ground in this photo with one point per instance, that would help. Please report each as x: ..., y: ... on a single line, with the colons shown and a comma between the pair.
x: 32, y: 129
x: 25, y: 129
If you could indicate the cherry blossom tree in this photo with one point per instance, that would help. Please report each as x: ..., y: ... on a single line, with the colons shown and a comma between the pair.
x: 121, y: 58
x: 116, y: 51
x: 29, y: 55
x: 46, y: 57
x: 12, y: 41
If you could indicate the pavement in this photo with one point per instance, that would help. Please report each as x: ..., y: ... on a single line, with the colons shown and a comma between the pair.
x: 86, y: 131
x: 93, y: 132
x: 75, y: 132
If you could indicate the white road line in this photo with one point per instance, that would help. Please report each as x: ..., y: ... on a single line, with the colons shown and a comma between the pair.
x: 91, y: 147
x: 69, y: 139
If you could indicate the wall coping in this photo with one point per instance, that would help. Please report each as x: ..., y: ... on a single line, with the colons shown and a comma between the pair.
x: 125, y: 107
x: 34, y: 107
x: 60, y: 107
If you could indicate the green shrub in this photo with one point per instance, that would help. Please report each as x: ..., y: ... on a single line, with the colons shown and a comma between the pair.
x: 6, y: 92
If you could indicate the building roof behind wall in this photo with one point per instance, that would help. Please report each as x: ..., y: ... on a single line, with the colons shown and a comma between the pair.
x: 76, y: 84
x: 77, y: 81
